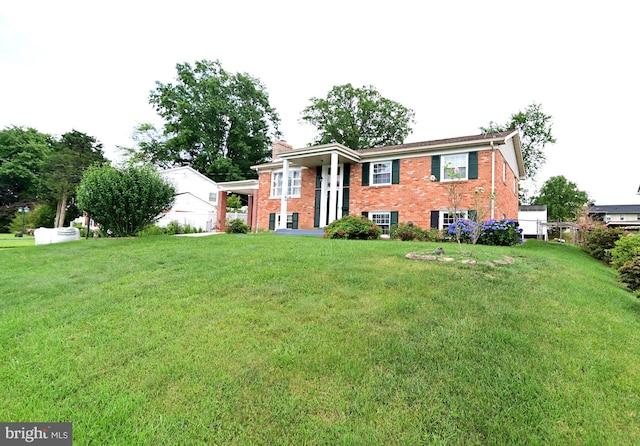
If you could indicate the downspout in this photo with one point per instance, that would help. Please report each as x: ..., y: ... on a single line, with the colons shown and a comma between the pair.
x: 493, y: 181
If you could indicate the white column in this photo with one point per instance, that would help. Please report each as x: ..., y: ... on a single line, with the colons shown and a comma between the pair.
x: 283, y: 197
x: 333, y: 188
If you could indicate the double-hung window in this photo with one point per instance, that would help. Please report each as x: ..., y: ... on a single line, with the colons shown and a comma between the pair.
x: 449, y: 218
x: 293, y: 183
x: 383, y: 220
x: 381, y: 173
x: 455, y: 167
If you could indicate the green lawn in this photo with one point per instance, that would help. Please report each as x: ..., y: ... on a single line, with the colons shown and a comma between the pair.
x: 11, y: 241
x: 264, y: 339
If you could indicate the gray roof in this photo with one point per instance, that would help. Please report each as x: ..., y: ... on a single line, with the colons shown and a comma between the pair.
x: 532, y: 207
x: 616, y: 209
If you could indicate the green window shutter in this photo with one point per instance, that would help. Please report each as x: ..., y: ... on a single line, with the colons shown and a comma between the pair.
x: 435, y: 167
x: 473, y: 214
x: 365, y: 214
x: 316, y: 209
x: 473, y: 165
x: 318, y: 177
x: 345, y: 202
x: 394, y: 219
x: 346, y: 175
x: 272, y: 221
x: 395, y: 172
x: 294, y: 220
x: 365, y: 174
x: 435, y: 216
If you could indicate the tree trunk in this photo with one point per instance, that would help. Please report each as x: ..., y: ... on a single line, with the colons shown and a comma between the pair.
x: 61, y: 210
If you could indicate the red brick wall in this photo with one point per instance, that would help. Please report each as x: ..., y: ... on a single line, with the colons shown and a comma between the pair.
x: 414, y: 198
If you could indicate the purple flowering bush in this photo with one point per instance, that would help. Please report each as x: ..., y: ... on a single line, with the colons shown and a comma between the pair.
x: 491, y: 232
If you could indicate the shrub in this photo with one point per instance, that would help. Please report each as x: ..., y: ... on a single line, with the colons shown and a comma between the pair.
x: 354, y: 228
x: 406, y: 232
x: 124, y: 201
x: 600, y: 240
x: 492, y: 232
x: 500, y: 233
x: 630, y: 274
x: 624, y: 250
x: 152, y: 230
x: 433, y: 235
x: 236, y: 226
x: 174, y: 227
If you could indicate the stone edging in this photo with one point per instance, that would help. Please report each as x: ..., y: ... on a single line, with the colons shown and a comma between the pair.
x: 506, y: 260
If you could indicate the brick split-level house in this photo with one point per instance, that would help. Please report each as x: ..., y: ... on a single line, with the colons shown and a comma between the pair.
x: 391, y: 184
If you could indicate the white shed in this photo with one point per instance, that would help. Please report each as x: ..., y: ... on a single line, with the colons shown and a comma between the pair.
x: 533, y: 221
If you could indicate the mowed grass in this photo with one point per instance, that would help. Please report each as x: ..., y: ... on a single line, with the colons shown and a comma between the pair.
x: 264, y: 339
x: 11, y: 241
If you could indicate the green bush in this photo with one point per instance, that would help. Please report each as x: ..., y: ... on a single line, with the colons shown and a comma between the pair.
x: 600, y: 240
x: 630, y: 273
x: 354, y: 228
x: 406, y: 232
x: 152, y: 230
x: 236, y: 226
x: 124, y: 200
x: 434, y: 235
x: 625, y: 249
x: 174, y: 227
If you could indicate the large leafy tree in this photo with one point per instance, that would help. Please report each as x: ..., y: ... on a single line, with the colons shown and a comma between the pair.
x: 358, y: 118
x: 22, y: 155
x: 217, y: 122
x: 72, y: 154
x: 124, y: 201
x: 535, y: 131
x: 562, y: 197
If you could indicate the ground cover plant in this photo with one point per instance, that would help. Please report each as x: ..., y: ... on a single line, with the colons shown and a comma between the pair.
x: 264, y: 339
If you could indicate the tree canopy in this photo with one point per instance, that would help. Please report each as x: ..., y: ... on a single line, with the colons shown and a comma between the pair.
x: 535, y: 131
x: 562, y: 197
x: 72, y: 154
x: 124, y: 201
x: 358, y: 118
x: 22, y: 155
x: 217, y: 122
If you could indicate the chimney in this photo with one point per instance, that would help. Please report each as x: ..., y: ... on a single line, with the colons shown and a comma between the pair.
x: 280, y: 146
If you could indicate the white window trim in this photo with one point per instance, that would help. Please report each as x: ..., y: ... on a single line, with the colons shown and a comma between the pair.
x: 291, y: 173
x: 289, y: 220
x: 444, y: 163
x: 388, y: 216
x: 463, y: 213
x: 371, y: 173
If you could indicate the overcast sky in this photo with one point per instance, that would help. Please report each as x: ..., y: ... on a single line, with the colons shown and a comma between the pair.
x: 90, y: 66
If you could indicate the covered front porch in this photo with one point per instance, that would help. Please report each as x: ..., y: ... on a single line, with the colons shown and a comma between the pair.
x: 248, y: 188
x: 332, y: 164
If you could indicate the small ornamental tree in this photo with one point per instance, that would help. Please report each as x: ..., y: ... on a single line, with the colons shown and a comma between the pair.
x: 124, y: 201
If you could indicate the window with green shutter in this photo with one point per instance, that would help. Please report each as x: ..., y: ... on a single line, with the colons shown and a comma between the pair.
x: 473, y: 165
x: 435, y: 167
x: 395, y: 172
x: 365, y: 174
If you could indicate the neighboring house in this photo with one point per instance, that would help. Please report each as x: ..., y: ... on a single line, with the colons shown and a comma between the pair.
x: 195, y: 201
x: 311, y: 187
x: 533, y: 221
x: 626, y: 216
x: 201, y: 202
